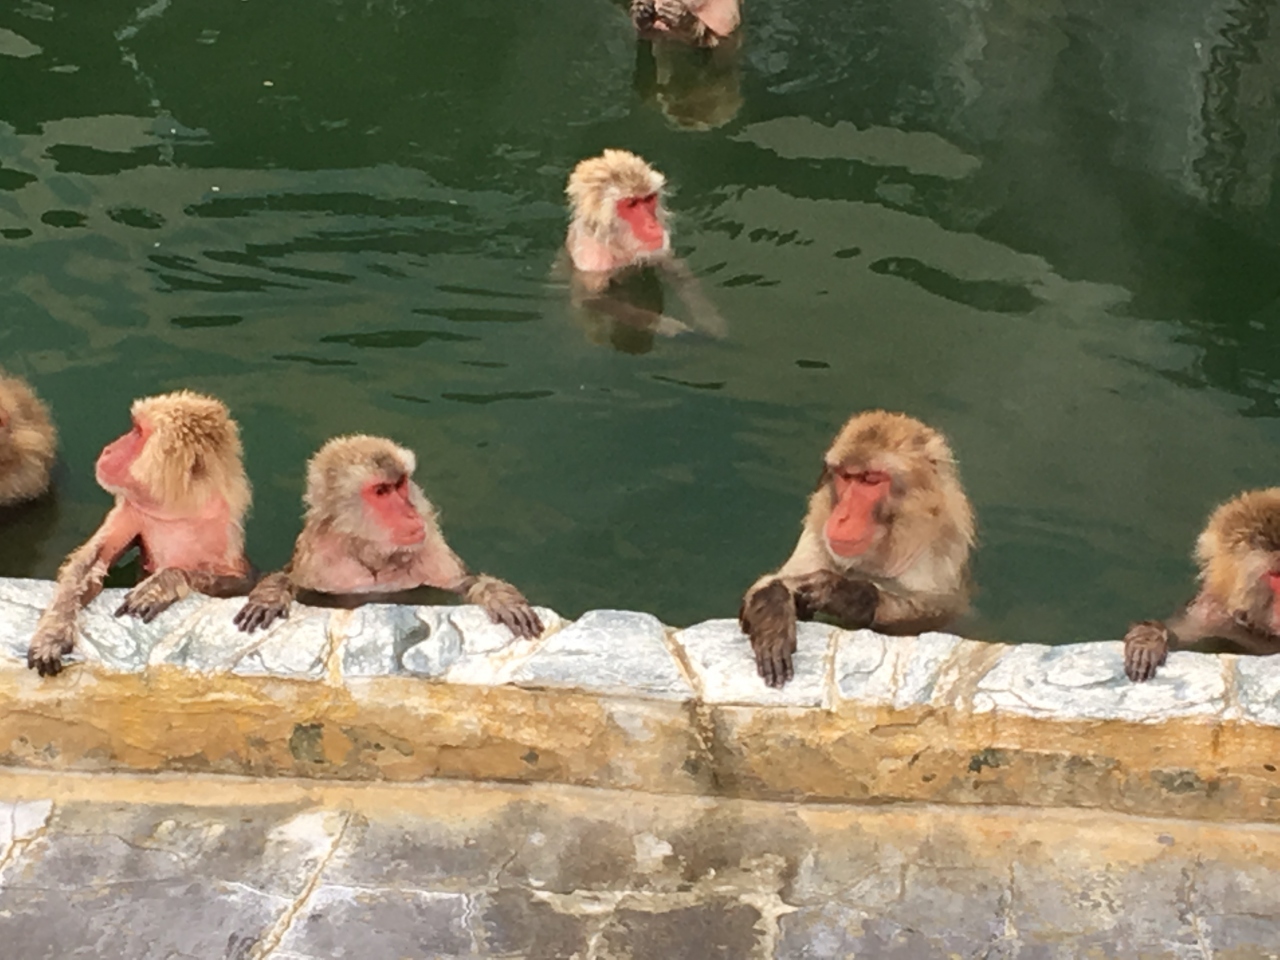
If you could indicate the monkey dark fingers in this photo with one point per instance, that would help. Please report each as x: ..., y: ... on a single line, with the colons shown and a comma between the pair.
x: 255, y: 616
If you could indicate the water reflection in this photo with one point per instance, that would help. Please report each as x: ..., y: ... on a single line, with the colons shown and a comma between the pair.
x: 1049, y: 229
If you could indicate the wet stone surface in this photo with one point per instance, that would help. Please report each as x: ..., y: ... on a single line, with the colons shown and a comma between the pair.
x: 550, y: 873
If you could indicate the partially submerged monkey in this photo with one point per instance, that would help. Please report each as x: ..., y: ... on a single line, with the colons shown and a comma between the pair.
x: 703, y: 23
x: 618, y: 229
x: 885, y: 543
x: 181, y: 497
x: 28, y: 442
x: 369, y: 530
x: 1239, y: 600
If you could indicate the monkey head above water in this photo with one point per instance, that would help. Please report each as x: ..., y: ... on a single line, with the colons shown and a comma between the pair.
x: 369, y: 530
x: 28, y: 442
x: 703, y: 23
x: 181, y: 496
x: 885, y: 543
x: 1238, y: 554
x: 618, y: 226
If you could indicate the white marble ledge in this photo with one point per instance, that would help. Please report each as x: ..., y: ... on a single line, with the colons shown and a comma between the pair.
x: 626, y: 654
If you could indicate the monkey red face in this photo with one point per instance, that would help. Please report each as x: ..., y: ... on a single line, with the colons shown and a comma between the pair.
x: 393, y: 510
x: 641, y: 215
x: 115, y: 463
x: 851, y: 528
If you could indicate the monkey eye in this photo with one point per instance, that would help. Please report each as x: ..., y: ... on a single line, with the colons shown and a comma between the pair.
x: 383, y: 490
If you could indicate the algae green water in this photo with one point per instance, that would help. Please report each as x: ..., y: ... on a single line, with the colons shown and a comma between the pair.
x: 1049, y: 229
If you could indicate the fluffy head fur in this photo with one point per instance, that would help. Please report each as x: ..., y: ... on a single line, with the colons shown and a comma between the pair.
x: 193, y: 453
x: 597, y: 184
x: 28, y: 442
x: 342, y: 467
x: 927, y: 508
x: 1239, y: 545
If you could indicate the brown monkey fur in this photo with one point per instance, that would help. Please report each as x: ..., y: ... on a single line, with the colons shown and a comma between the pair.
x: 1239, y: 598
x: 28, y: 442
x: 910, y: 571
x: 369, y: 530
x: 181, y: 496
x: 618, y: 227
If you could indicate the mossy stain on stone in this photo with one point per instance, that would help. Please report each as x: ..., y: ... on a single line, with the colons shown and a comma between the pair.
x: 989, y: 757
x: 306, y: 742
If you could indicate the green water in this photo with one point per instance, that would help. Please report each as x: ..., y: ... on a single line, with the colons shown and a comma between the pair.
x: 1050, y: 229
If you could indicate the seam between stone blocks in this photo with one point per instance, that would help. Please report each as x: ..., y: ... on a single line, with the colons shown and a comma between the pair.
x: 275, y: 936
x: 19, y: 845
x: 681, y: 657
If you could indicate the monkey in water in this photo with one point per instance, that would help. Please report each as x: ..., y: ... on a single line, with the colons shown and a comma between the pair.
x: 28, y: 442
x: 618, y: 230
x: 1239, y: 599
x: 181, y: 497
x: 885, y: 543
x: 702, y: 23
x: 369, y: 530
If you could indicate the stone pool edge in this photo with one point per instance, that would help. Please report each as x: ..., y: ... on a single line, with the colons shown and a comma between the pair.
x: 617, y: 699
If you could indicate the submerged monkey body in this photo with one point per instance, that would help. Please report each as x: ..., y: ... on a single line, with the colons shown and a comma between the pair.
x: 369, y: 531
x: 1238, y: 554
x: 885, y: 543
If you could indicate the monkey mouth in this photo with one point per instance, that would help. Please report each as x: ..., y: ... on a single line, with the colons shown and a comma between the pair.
x: 850, y: 548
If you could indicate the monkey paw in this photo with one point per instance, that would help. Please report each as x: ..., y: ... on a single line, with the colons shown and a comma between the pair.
x: 48, y: 647
x: 1146, y: 646
x: 768, y: 617
x: 154, y: 595
x: 257, y: 614
x: 519, y: 618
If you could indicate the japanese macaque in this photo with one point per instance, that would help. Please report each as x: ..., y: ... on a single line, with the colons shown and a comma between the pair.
x: 28, y: 442
x: 369, y: 531
x: 703, y: 23
x: 1239, y: 599
x: 619, y: 228
x: 181, y: 497
x: 885, y: 543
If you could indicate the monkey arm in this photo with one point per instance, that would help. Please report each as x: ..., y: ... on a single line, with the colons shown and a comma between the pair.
x: 79, y: 581
x: 166, y: 587
x: 503, y: 602
x: 1147, y: 643
x: 850, y: 601
x: 270, y: 598
x: 705, y: 315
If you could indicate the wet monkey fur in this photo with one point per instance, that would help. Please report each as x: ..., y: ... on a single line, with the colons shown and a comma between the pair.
x: 702, y: 23
x: 28, y: 442
x: 885, y: 543
x: 370, y: 530
x: 181, y: 497
x: 1239, y: 598
x: 619, y: 226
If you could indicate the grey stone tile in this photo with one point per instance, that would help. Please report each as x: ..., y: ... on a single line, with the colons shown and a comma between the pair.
x: 1257, y: 689
x: 377, y: 636
x: 610, y: 652
x: 188, y: 917
x: 1087, y: 681
x: 21, y: 602
x: 872, y: 668
x: 721, y: 659
x: 518, y: 923
x: 20, y: 821
x: 363, y: 924
x: 209, y: 641
x: 489, y: 653
x: 715, y: 930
